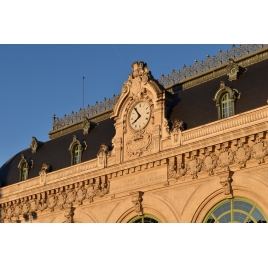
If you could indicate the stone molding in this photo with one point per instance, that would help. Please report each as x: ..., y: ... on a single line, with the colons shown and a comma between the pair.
x: 87, y: 182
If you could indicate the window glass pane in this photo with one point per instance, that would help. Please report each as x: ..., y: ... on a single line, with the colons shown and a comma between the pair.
x: 240, y: 210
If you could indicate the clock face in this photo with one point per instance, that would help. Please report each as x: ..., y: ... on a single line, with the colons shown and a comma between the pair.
x: 140, y: 115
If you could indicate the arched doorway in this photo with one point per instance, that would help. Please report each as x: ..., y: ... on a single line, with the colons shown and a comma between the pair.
x: 235, y: 210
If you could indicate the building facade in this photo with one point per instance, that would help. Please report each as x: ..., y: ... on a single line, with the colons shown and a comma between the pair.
x: 190, y: 147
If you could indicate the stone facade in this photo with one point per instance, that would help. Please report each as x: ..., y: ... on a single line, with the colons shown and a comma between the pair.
x: 157, y: 168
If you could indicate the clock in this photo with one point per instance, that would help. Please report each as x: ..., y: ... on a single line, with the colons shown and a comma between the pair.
x: 139, y: 115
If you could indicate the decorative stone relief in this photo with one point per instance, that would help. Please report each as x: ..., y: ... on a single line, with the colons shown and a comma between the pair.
x: 85, y: 126
x: 26, y: 206
x: 226, y: 157
x: 80, y: 193
x: 176, y: 131
x: 233, y: 70
x: 194, y: 166
x: 9, y: 211
x: 35, y: 144
x: 209, y: 163
x: 43, y: 173
x: 137, y: 202
x: 103, y: 155
x: 138, y: 143
x: 140, y: 76
x: 175, y: 172
x: 70, y: 195
x: 225, y: 181
x: 2, y: 213
x: 61, y: 197
x: 42, y: 202
x: 17, y: 211
x: 242, y: 154
x: 259, y: 149
x: 90, y: 191
x: 52, y: 200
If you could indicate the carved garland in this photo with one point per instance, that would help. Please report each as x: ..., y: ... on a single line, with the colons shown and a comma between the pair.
x: 63, y: 198
x: 221, y: 160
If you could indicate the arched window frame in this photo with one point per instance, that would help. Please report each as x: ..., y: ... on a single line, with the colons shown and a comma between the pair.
x: 250, y: 211
x: 218, y: 98
x: 24, y: 168
x: 76, y: 148
x: 141, y: 218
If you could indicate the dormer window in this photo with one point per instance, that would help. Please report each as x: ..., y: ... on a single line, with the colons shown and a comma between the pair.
x: 225, y: 99
x: 24, y: 172
x: 76, y: 148
x: 77, y: 154
x: 24, y: 167
x: 226, y: 105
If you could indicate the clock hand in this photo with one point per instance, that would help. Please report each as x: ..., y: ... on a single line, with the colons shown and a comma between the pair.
x: 137, y: 112
x: 136, y: 119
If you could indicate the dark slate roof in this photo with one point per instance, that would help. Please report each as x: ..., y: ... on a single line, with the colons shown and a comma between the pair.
x: 56, y: 154
x: 195, y: 105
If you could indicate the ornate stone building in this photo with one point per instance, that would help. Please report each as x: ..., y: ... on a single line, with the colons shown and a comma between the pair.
x: 190, y: 147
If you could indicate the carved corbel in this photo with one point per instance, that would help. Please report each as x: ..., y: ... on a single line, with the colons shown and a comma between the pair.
x: 69, y: 214
x: 137, y: 202
x: 226, y: 182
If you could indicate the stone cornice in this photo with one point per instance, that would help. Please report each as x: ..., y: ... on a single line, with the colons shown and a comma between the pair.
x: 246, y: 126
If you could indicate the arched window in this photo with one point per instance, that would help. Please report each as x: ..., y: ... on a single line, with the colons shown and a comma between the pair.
x: 235, y: 210
x: 77, y: 154
x: 225, y: 99
x: 24, y: 167
x: 76, y: 148
x: 226, y: 105
x: 144, y: 219
x: 24, y: 172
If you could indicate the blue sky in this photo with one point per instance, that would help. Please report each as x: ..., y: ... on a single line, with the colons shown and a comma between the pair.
x: 37, y: 81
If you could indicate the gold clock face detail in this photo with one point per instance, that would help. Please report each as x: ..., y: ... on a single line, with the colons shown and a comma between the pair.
x: 140, y: 115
